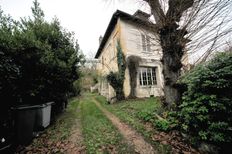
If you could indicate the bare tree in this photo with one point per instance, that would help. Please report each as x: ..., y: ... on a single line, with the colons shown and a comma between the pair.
x: 188, y: 24
x: 196, y: 26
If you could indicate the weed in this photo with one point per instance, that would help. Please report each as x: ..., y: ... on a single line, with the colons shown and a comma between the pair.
x: 162, y: 125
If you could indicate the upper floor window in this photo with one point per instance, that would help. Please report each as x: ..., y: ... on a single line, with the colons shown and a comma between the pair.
x: 102, y: 61
x: 147, y: 76
x: 146, y: 43
x: 110, y: 50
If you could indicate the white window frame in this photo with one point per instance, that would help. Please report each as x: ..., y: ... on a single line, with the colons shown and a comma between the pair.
x: 153, y: 78
x: 146, y: 43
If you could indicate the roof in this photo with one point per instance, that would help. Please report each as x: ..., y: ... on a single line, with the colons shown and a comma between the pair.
x: 141, y: 13
x: 119, y: 14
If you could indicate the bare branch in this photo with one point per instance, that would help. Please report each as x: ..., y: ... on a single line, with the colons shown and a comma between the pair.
x: 157, y: 11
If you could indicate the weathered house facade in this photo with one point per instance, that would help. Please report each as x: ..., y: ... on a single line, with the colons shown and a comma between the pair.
x: 138, y: 38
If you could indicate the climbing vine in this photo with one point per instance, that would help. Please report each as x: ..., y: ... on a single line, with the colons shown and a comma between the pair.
x: 133, y: 63
x: 116, y: 79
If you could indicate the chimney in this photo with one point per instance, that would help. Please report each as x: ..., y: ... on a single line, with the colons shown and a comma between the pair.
x: 141, y: 15
x: 100, y: 39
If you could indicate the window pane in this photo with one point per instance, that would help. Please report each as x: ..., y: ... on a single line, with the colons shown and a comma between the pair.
x: 143, y: 42
x: 149, y: 76
x: 140, y: 78
x: 144, y: 77
x: 148, y: 44
x: 154, y: 76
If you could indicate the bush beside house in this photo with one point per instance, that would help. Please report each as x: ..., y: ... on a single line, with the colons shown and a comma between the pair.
x: 206, y: 109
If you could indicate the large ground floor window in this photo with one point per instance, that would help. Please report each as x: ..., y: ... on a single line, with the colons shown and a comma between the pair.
x: 147, y: 76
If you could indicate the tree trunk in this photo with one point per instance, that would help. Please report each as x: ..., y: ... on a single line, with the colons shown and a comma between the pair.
x: 173, y: 49
x: 132, y: 64
x: 172, y: 43
x: 133, y: 77
x: 120, y: 95
x: 171, y: 91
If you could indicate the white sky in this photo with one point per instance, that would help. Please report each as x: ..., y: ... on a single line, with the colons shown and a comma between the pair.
x: 88, y: 19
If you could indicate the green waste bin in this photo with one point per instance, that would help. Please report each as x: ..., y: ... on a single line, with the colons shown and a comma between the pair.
x: 25, y: 117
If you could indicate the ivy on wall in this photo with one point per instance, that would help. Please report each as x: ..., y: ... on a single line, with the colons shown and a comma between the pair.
x: 116, y: 79
x: 133, y: 63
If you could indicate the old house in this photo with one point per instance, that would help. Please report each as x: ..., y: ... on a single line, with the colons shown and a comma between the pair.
x: 138, y: 40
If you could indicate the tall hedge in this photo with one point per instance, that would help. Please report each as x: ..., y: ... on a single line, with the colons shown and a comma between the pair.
x: 206, y: 110
x: 39, y: 60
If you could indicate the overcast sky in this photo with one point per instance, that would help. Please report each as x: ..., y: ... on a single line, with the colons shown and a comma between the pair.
x: 87, y: 18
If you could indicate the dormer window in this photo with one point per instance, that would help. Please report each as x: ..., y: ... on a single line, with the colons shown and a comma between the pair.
x: 146, y: 43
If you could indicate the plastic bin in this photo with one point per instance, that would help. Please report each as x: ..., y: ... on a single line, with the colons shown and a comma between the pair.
x: 43, y: 116
x: 25, y: 122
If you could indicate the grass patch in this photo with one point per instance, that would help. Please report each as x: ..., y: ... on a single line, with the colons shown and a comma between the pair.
x: 62, y: 128
x: 135, y: 113
x: 99, y: 134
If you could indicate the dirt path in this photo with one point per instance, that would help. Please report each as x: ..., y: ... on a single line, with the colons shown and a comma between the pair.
x: 132, y: 137
x: 76, y: 139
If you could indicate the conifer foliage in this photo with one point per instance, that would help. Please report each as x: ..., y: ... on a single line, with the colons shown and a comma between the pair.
x: 39, y: 60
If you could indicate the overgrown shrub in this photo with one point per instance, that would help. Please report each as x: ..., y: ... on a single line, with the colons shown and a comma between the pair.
x: 206, y: 110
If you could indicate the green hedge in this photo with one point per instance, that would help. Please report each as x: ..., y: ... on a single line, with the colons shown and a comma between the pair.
x: 39, y: 60
x: 206, y: 109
